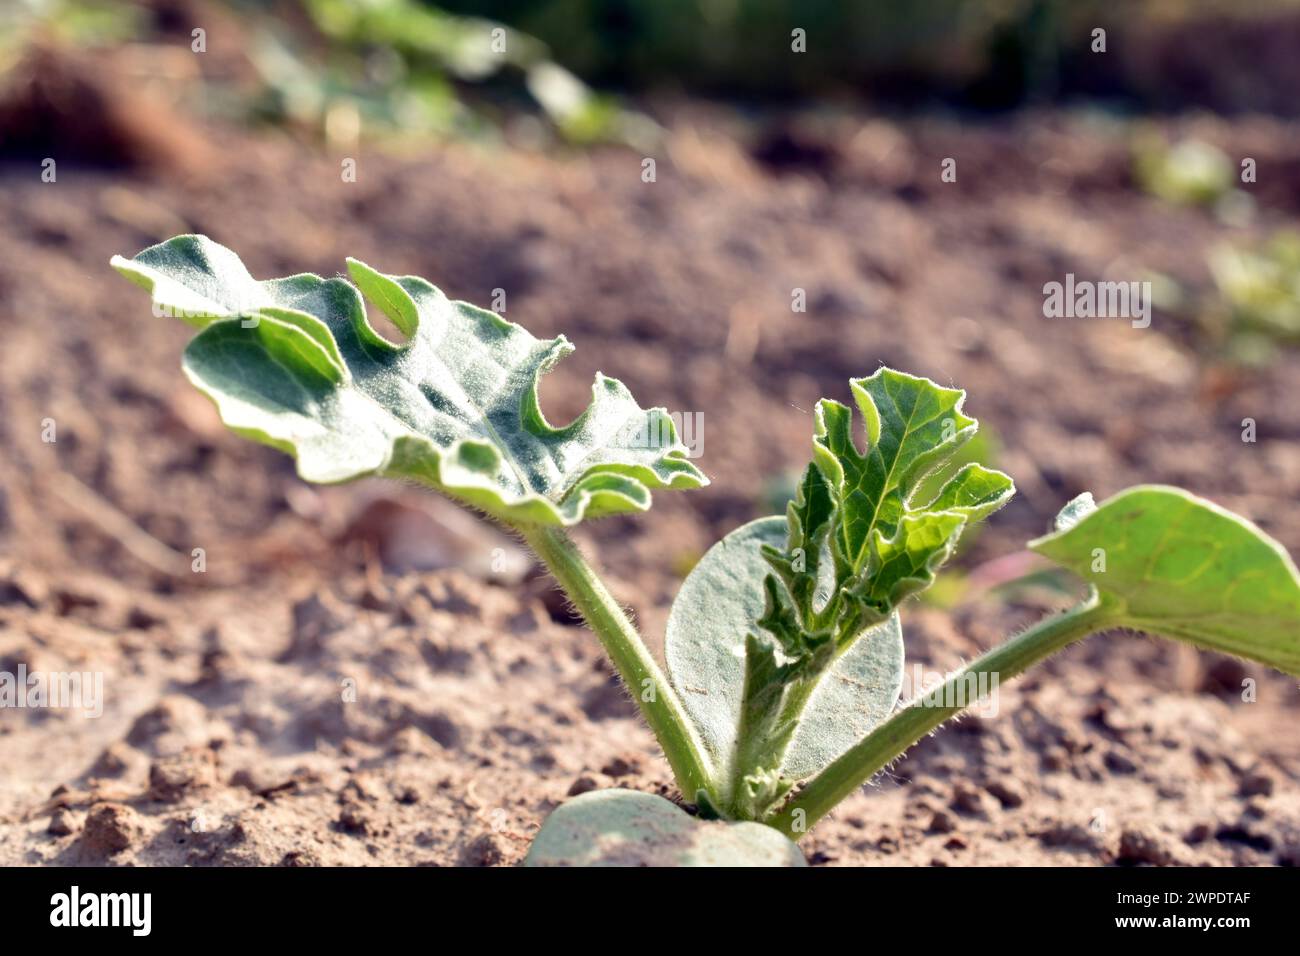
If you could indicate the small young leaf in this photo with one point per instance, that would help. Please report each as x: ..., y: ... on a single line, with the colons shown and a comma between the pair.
x: 630, y: 828
x: 911, y: 424
x: 295, y: 364
x: 799, y: 565
x: 823, y: 659
x: 887, y: 545
x: 705, y: 646
x: 1176, y: 565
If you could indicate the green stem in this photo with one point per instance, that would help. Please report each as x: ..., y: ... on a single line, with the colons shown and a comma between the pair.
x: 908, y: 725
x: 762, y: 746
x: 659, y: 703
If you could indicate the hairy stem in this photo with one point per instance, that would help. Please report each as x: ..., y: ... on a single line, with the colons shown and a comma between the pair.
x: 647, y: 684
x: 909, y: 724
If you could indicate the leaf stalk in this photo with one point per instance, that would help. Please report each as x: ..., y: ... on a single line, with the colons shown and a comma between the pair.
x: 645, y: 681
x: 912, y: 722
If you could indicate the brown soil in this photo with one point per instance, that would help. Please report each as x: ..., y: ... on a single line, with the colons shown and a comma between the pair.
x: 350, y: 682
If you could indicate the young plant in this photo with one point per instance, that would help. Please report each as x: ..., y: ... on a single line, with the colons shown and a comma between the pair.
x: 784, y: 647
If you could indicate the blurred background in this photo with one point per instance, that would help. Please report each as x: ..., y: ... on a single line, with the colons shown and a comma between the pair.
x: 798, y: 229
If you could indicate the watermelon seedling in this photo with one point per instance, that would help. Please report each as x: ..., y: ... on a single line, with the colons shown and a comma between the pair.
x: 784, y: 648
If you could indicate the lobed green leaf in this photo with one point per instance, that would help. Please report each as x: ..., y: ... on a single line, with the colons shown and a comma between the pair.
x: 294, y: 363
x: 888, y: 545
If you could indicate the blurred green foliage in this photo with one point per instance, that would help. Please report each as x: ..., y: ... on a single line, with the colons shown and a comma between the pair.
x: 1259, y: 290
x: 979, y: 53
x: 415, y: 66
x: 1190, y: 172
x: 408, y: 66
x: 79, y: 22
x: 336, y: 66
